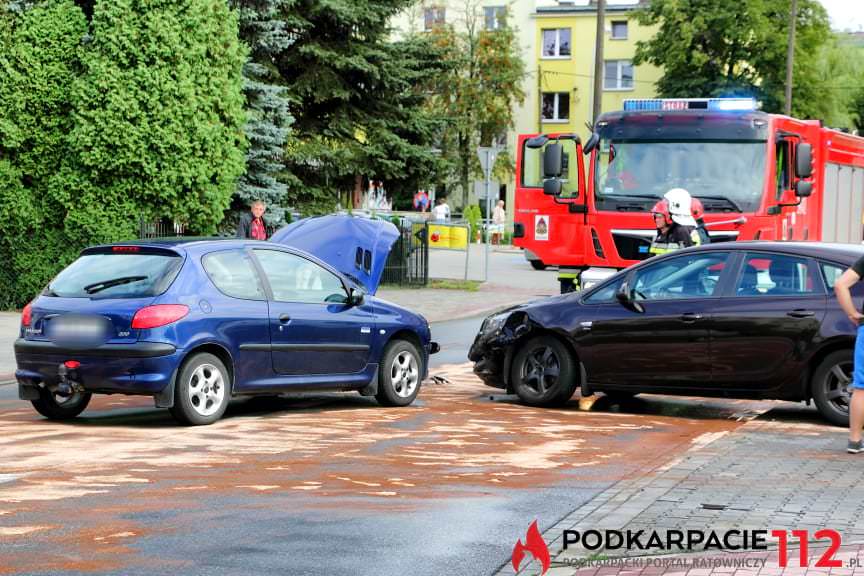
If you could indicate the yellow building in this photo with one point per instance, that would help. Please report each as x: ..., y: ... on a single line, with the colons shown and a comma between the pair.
x: 563, y: 68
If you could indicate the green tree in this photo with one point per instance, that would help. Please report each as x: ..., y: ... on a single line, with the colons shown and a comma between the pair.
x: 39, y: 61
x: 479, y: 93
x: 159, y: 115
x: 726, y: 47
x: 856, y: 109
x: 357, y: 99
x: 268, y: 118
x: 138, y: 112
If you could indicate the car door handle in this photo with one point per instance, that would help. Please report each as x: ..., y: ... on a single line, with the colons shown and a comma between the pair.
x: 284, y: 318
x: 801, y: 313
x: 691, y: 317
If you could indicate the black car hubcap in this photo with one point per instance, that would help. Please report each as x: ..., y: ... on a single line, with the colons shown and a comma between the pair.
x: 838, y: 386
x: 541, y: 370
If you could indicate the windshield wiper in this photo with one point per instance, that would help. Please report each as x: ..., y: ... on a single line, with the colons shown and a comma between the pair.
x: 105, y: 284
x: 650, y: 196
x: 723, y: 199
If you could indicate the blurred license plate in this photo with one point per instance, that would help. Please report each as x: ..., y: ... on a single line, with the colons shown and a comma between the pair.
x: 78, y: 330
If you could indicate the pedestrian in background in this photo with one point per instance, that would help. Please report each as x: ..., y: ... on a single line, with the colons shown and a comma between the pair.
x: 441, y: 212
x: 252, y: 224
x: 842, y: 288
x: 499, y: 217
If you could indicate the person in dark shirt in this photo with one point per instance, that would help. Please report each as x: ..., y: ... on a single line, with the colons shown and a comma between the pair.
x: 671, y: 236
x: 842, y: 288
x: 252, y: 224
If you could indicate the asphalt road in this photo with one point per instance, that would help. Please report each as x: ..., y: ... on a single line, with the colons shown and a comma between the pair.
x: 320, y: 484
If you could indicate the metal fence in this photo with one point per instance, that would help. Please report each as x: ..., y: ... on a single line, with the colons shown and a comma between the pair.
x: 408, y: 262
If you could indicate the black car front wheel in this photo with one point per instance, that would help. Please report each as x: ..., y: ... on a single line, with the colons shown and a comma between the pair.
x: 832, y: 387
x: 58, y: 407
x: 544, y: 372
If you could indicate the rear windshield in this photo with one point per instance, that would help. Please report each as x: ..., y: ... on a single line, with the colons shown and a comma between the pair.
x: 112, y: 275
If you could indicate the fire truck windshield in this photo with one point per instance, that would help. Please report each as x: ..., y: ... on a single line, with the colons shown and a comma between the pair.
x: 630, y: 174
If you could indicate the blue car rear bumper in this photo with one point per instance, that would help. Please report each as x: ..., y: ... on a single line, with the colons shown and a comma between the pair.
x: 141, y: 368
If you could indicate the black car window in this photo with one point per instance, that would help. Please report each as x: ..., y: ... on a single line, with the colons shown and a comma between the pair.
x: 128, y: 273
x: 776, y: 275
x: 296, y: 279
x: 686, y: 276
x: 233, y: 273
x: 831, y: 272
x: 605, y: 293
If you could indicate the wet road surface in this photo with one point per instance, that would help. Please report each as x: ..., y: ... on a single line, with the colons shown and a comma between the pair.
x: 321, y: 484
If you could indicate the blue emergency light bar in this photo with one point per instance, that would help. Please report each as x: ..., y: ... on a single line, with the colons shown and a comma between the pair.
x: 710, y: 104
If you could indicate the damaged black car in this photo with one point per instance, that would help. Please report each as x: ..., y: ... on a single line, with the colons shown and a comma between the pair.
x: 752, y: 320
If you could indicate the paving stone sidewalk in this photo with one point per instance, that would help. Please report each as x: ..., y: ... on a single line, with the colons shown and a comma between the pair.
x: 767, y: 475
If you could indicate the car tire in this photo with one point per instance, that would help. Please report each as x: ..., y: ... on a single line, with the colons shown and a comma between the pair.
x: 399, y: 374
x: 544, y: 372
x: 59, y: 408
x: 537, y: 264
x: 202, y: 390
x: 831, y: 387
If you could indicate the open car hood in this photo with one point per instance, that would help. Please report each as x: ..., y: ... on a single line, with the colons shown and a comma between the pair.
x: 357, y: 247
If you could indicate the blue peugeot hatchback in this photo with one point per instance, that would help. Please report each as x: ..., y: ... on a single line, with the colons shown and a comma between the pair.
x: 194, y: 323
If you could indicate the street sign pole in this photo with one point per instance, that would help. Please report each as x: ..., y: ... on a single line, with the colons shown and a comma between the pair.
x: 487, y: 161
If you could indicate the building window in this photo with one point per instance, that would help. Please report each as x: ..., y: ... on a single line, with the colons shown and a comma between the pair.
x: 495, y: 17
x: 619, y: 30
x: 556, y: 107
x: 433, y: 16
x: 556, y: 42
x: 618, y: 75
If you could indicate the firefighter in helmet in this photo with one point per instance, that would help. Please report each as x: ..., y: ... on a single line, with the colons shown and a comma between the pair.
x: 699, y: 217
x: 675, y: 228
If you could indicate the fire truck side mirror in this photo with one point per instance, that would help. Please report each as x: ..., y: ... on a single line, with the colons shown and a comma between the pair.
x: 552, y: 187
x: 803, y: 188
x: 553, y: 162
x: 803, y: 160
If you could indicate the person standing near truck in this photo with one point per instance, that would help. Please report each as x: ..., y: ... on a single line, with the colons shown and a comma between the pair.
x: 843, y: 290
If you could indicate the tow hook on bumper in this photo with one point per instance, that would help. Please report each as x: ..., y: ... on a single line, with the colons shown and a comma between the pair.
x: 68, y: 384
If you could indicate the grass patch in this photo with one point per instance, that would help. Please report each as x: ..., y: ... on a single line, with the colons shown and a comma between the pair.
x: 468, y: 285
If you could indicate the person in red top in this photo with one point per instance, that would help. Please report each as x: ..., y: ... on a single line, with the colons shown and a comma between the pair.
x: 252, y: 224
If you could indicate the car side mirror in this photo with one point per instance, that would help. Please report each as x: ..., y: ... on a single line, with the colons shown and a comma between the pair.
x: 625, y: 297
x: 553, y: 160
x: 803, y: 160
x: 356, y: 297
x: 803, y: 188
x: 552, y: 187
x: 592, y: 142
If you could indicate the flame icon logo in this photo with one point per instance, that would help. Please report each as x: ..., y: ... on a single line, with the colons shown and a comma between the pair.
x: 534, y: 544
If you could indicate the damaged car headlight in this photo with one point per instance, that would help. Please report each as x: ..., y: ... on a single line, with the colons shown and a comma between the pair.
x: 493, y: 324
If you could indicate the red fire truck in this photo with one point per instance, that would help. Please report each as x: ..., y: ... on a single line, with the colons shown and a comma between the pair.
x: 758, y: 175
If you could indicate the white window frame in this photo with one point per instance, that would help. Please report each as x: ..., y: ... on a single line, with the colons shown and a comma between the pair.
x: 557, y: 55
x: 557, y: 108
x: 618, y: 76
x: 499, y: 13
x: 612, y: 35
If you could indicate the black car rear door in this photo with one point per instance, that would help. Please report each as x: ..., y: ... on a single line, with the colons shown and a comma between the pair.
x: 762, y: 334
x: 666, y: 344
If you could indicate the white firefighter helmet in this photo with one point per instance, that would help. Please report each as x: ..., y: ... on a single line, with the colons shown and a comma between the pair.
x: 680, y: 206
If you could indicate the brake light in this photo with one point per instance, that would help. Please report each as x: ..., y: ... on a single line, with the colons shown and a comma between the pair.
x: 158, y: 315
x: 26, y: 315
x: 72, y: 364
x: 126, y: 249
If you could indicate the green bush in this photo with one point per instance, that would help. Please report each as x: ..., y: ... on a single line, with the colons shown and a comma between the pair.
x: 138, y: 113
x: 473, y: 216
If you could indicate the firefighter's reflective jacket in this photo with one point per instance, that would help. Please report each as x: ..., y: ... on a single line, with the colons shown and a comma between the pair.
x: 675, y: 238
